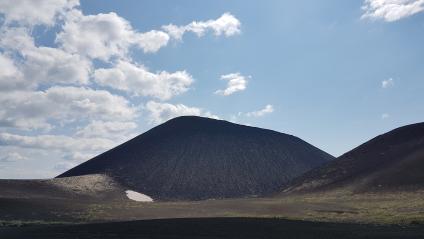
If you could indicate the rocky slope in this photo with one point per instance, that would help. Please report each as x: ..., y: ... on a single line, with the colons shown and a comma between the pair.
x: 393, y: 161
x: 193, y: 158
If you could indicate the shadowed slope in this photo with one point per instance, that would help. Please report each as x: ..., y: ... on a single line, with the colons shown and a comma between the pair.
x: 198, y: 158
x: 391, y: 162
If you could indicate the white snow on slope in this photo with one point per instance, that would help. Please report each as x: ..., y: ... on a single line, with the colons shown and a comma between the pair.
x: 139, y: 197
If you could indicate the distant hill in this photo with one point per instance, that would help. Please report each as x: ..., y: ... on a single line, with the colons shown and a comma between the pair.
x: 390, y: 162
x: 193, y: 158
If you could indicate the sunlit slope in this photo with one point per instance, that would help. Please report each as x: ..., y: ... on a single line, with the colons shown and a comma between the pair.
x: 88, y: 187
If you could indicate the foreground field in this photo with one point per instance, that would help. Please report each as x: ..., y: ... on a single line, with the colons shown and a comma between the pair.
x: 382, y: 208
x: 242, y: 228
x: 67, y: 208
x: 325, y: 215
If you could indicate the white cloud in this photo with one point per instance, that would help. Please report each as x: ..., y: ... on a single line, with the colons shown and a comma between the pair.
x: 12, y: 157
x: 15, y: 38
x: 34, y: 110
x: 56, y: 142
x: 227, y: 25
x: 236, y: 82
x: 110, y: 129
x: 48, y: 65
x: 267, y: 110
x: 35, y: 12
x: 43, y: 64
x: 64, y: 166
x: 391, y: 10
x: 174, y: 31
x: 10, y: 76
x: 152, y: 41
x: 78, y: 157
x: 387, y: 83
x: 385, y: 116
x: 138, y: 80
x: 105, y: 35
x: 160, y: 112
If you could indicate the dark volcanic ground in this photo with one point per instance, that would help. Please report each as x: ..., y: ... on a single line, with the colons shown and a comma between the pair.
x: 393, y: 161
x: 195, y: 158
x: 243, y: 228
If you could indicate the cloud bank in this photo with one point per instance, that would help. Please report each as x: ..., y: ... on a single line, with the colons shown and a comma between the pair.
x: 391, y: 10
x: 84, y: 93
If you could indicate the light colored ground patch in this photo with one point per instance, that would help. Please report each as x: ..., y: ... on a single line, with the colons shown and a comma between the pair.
x: 87, y: 184
x: 139, y: 197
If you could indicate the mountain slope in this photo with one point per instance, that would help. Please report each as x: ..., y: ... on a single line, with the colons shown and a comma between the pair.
x: 192, y: 158
x: 390, y: 162
x: 88, y: 187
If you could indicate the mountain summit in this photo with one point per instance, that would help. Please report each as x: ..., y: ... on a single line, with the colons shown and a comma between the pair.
x: 194, y: 158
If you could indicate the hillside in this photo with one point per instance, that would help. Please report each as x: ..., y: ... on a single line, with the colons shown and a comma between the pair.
x: 87, y: 187
x: 193, y: 158
x: 393, y: 161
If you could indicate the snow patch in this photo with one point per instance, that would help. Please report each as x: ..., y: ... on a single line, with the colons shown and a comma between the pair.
x: 139, y: 197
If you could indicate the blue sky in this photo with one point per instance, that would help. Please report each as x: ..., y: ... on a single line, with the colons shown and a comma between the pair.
x: 334, y: 73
